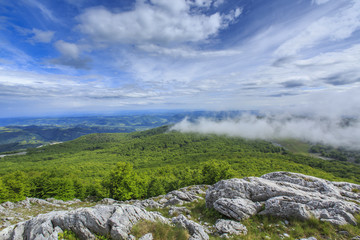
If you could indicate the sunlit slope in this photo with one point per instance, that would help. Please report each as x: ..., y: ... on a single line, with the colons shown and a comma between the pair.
x: 92, y: 156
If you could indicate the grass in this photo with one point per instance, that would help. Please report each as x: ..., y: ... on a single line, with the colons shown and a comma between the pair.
x: 67, y: 235
x: 261, y: 226
x: 70, y: 235
x: 159, y: 230
x: 200, y: 211
x: 355, y: 190
x: 295, y: 146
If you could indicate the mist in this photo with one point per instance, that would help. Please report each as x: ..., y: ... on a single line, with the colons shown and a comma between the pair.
x: 336, y: 132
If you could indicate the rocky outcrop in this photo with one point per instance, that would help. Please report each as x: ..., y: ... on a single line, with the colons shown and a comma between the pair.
x: 281, y: 194
x: 31, y: 207
x: 176, y: 197
x: 287, y: 195
x: 196, y: 231
x: 226, y: 227
x: 114, y: 221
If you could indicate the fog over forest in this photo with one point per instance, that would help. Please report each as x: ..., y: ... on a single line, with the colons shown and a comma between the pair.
x: 337, y: 132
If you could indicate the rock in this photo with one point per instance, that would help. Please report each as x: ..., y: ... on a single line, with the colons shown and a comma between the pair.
x: 131, y: 237
x: 147, y: 236
x: 345, y: 233
x: 108, y: 201
x: 178, y: 210
x: 229, y: 227
x: 356, y: 238
x: 187, y: 194
x: 115, y: 221
x: 285, y: 194
x: 8, y: 205
x: 310, y: 238
x: 196, y: 231
x: 148, y: 203
x: 238, y: 209
x: 174, y: 201
x: 285, y: 235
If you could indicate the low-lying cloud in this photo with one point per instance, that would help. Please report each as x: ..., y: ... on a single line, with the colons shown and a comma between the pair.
x: 335, y: 132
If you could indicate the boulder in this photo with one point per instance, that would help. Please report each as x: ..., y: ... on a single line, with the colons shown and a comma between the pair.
x: 229, y: 227
x: 196, y: 231
x: 288, y: 195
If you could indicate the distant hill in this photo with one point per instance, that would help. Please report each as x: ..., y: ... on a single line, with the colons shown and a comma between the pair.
x: 20, y: 133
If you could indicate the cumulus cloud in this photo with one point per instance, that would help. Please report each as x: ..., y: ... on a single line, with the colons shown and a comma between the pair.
x: 42, y: 36
x: 67, y: 49
x: 70, y: 56
x: 155, y: 21
x: 316, y: 130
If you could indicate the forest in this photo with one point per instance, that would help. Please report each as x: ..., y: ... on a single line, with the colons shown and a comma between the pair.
x: 149, y: 163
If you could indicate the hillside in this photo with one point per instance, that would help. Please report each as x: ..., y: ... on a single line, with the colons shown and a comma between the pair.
x: 150, y: 163
x: 22, y: 133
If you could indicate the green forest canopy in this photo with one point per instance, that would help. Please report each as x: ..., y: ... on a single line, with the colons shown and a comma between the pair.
x: 149, y: 163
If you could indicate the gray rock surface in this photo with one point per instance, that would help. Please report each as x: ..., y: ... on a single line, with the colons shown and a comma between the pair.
x: 178, y: 210
x: 229, y: 227
x: 196, y: 231
x: 115, y: 221
x: 11, y: 213
x: 286, y: 194
x: 147, y: 236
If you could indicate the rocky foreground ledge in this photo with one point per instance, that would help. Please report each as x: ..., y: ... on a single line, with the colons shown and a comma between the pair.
x: 284, y: 194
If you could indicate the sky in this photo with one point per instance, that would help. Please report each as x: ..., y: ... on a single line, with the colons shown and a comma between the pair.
x: 91, y: 56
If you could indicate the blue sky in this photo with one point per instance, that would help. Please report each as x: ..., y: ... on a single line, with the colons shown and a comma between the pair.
x: 77, y: 56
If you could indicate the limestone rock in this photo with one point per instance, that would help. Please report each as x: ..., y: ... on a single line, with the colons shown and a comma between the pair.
x: 286, y: 194
x: 196, y: 231
x: 147, y: 236
x: 230, y: 227
x: 116, y: 221
x: 174, y: 201
x: 238, y: 208
x: 178, y: 210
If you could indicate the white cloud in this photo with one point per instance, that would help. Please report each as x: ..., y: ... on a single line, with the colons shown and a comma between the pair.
x: 157, y: 22
x: 70, y: 56
x: 67, y: 49
x: 42, y: 36
x: 186, y: 52
x: 218, y: 3
x: 319, y: 2
x: 66, y: 93
x: 341, y: 24
x: 315, y: 130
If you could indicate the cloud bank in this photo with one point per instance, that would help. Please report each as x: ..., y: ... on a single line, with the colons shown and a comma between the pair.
x: 335, y: 132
